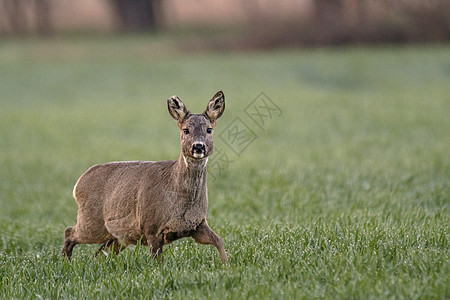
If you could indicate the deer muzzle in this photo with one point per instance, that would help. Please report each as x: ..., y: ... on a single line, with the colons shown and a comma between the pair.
x: 198, y: 150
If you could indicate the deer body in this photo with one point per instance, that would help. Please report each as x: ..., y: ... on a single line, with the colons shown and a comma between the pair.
x: 121, y: 203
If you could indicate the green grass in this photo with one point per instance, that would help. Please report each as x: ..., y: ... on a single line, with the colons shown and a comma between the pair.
x: 346, y: 195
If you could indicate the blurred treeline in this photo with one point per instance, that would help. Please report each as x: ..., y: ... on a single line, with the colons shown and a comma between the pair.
x: 252, y: 23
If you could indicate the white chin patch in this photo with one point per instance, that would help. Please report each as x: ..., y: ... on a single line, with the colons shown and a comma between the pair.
x: 199, y: 155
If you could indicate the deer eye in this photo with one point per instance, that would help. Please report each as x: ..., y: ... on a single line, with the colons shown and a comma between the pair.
x: 209, y: 130
x: 186, y: 131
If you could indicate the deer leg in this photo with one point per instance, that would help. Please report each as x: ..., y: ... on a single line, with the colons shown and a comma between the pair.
x: 103, y: 246
x: 204, y: 235
x: 113, y: 245
x: 156, y: 245
x: 117, y: 247
x: 69, y: 242
x: 107, y: 246
x: 67, y: 248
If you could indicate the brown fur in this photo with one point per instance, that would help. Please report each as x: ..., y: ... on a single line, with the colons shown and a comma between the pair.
x: 121, y: 203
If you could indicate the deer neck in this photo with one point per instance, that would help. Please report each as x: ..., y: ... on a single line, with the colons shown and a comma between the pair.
x: 190, y: 177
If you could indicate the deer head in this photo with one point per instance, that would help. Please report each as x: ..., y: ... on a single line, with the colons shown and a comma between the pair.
x: 196, y: 130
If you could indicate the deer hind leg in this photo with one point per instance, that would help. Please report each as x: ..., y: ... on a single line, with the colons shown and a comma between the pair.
x: 156, y: 245
x: 109, y: 245
x: 70, y: 241
x: 102, y: 247
x: 204, y: 235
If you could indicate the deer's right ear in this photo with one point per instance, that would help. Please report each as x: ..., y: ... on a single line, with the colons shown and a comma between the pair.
x: 177, y: 109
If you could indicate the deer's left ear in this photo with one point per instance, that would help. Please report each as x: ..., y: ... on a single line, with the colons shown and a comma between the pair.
x: 216, y: 106
x: 177, y: 109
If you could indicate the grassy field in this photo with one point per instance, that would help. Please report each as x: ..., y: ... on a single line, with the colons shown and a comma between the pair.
x: 345, y: 195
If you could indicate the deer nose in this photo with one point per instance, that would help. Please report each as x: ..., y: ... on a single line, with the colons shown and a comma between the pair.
x: 198, y: 147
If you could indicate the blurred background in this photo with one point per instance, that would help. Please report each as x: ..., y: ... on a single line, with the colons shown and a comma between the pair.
x: 340, y: 189
x: 242, y: 23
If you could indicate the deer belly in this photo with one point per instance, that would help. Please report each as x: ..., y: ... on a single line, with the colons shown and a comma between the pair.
x: 125, y: 228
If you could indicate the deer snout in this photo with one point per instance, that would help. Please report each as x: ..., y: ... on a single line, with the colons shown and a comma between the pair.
x: 198, y: 150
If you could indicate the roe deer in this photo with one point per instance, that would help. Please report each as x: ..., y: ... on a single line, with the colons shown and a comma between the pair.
x: 121, y: 203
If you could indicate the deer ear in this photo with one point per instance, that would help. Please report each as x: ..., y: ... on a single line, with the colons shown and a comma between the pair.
x: 177, y: 109
x: 216, y: 106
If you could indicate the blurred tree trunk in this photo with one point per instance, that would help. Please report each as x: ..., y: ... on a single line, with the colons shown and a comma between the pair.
x: 44, y: 25
x: 27, y: 16
x: 360, y: 28
x: 15, y: 16
x: 138, y: 15
x: 328, y: 12
x: 328, y: 20
x: 252, y: 10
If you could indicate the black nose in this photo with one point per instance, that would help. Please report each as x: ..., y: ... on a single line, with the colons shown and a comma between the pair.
x: 199, y: 148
